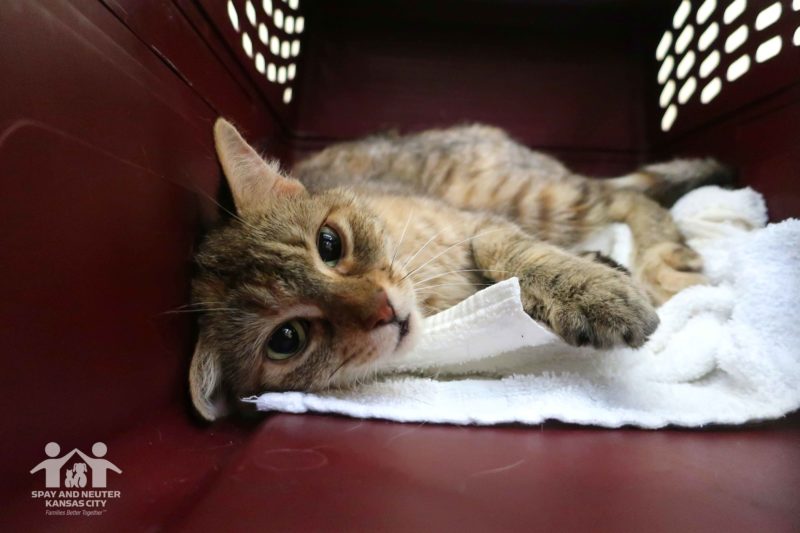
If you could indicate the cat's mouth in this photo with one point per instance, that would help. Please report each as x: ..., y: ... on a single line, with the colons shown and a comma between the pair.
x: 404, y: 327
x: 406, y: 334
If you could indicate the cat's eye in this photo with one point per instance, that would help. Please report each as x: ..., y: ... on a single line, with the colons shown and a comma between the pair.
x: 329, y: 245
x: 288, y: 340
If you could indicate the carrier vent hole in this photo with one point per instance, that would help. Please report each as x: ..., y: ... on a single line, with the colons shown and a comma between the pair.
x: 684, y: 39
x: 705, y: 11
x: 736, y: 39
x: 685, y: 65
x: 711, y: 90
x: 663, y: 45
x: 666, y: 69
x: 233, y: 16
x: 681, y: 14
x: 669, y: 117
x: 247, y: 45
x: 768, y: 16
x: 709, y: 64
x: 708, y: 36
x: 687, y: 90
x: 738, y: 68
x: 733, y: 11
x: 250, y: 10
x: 769, y: 49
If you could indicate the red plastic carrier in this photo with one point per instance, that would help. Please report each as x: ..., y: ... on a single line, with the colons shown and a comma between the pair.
x: 106, y: 158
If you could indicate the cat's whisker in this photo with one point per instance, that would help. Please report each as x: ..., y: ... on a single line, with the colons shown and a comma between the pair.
x: 451, y: 247
x: 461, y: 270
x: 330, y: 378
x: 453, y: 284
x: 400, y: 241
x: 408, y: 262
x: 234, y: 215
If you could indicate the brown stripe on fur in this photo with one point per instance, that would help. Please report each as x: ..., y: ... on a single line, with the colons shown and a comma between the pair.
x: 545, y: 210
x: 518, y: 208
x: 447, y: 179
x: 498, y: 186
x: 469, y: 192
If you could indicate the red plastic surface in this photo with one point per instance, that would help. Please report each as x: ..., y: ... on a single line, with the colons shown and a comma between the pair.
x: 106, y: 163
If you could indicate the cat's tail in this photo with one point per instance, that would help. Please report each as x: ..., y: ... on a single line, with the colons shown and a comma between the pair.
x: 666, y: 182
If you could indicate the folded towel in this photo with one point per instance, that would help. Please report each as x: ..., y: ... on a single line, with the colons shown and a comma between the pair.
x: 725, y: 353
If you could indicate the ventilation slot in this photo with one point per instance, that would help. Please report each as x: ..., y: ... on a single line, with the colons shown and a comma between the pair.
x: 247, y: 45
x: 663, y: 45
x: 681, y: 14
x: 685, y: 65
x: 250, y: 10
x: 667, y: 94
x: 705, y: 11
x: 687, y: 90
x: 736, y: 39
x: 233, y: 16
x: 733, y: 11
x: 708, y: 37
x: 709, y: 64
x: 769, y: 49
x: 666, y: 69
x: 738, y: 68
x: 711, y: 90
x: 769, y: 16
x: 669, y: 117
x: 684, y: 39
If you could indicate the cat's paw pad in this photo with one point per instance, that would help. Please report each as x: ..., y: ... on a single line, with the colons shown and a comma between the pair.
x: 603, y: 310
x: 667, y: 268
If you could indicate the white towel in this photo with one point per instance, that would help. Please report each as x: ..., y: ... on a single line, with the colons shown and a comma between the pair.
x: 726, y: 353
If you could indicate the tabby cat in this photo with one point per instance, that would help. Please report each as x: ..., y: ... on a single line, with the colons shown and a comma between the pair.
x: 319, y: 275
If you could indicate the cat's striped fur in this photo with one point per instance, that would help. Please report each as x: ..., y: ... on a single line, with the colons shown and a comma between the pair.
x: 425, y: 221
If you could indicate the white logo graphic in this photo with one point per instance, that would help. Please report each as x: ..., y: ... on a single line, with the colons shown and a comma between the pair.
x: 75, y: 476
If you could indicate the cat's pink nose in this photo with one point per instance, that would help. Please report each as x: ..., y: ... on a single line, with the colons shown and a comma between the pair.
x: 384, y: 312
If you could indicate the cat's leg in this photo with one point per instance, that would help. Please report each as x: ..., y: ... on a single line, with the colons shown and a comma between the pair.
x: 583, y: 301
x: 662, y: 262
x: 565, y: 212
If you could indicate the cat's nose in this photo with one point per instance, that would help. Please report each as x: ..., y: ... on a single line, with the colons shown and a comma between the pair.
x: 384, y: 312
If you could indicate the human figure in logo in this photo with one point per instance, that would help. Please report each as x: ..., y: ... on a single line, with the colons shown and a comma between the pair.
x: 52, y: 467
x: 76, y: 476
x: 98, y: 465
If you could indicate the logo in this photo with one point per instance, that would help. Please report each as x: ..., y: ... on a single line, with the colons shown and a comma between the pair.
x: 84, y: 470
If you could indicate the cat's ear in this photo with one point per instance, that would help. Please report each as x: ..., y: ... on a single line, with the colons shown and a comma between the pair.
x: 205, y: 383
x: 252, y: 180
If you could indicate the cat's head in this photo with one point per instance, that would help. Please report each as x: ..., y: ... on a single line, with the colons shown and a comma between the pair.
x: 299, y: 291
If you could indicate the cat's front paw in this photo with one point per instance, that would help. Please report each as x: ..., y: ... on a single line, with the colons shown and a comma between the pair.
x: 600, y: 307
x: 667, y: 268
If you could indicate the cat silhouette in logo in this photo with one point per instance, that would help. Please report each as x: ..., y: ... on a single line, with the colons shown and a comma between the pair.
x: 76, y: 476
